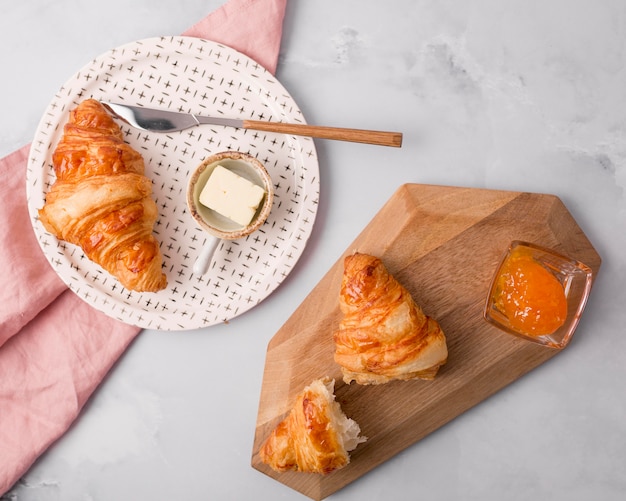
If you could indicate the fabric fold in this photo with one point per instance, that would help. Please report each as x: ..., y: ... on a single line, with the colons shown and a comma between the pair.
x: 29, y: 284
x: 46, y: 378
x: 248, y: 26
x: 55, y: 349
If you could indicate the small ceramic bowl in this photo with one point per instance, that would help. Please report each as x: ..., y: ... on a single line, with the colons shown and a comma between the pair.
x: 574, y: 277
x: 215, y: 224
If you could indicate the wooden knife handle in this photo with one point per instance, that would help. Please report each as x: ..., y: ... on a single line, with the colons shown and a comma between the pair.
x: 354, y: 135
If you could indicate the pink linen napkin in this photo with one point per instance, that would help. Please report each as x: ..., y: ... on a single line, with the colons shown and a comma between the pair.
x: 54, y: 348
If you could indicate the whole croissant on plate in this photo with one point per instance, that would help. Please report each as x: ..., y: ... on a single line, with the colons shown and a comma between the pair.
x: 383, y: 335
x: 101, y: 200
x: 315, y: 437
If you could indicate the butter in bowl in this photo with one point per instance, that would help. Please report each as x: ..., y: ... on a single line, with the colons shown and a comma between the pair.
x: 229, y: 195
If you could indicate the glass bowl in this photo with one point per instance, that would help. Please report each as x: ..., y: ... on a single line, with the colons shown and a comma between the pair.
x: 538, y: 294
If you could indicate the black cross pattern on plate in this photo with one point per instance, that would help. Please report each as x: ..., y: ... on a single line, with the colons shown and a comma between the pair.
x: 198, y: 76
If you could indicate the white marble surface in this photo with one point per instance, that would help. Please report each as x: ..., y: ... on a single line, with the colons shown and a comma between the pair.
x: 519, y: 95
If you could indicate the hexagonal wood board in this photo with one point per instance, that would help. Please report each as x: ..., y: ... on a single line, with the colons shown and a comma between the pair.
x: 443, y: 244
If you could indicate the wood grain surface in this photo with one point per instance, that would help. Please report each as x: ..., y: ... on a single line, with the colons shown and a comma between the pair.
x: 443, y: 244
x: 382, y: 138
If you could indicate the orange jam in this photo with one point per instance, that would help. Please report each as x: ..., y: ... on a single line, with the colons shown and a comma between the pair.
x: 529, y: 295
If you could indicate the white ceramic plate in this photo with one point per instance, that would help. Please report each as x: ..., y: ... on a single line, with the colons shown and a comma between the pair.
x: 199, y: 76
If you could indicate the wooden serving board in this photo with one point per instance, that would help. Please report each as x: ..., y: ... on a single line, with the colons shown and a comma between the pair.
x: 443, y: 244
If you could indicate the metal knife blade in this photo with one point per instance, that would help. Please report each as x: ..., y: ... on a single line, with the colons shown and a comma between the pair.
x: 154, y: 120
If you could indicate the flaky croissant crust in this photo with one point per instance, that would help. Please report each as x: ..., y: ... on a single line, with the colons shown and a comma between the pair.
x: 101, y: 200
x: 315, y: 437
x: 384, y: 334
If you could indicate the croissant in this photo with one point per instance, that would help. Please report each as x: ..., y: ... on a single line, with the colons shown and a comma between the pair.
x: 101, y: 200
x: 315, y: 437
x: 384, y: 335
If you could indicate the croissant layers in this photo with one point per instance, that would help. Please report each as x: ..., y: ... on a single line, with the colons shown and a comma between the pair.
x: 384, y: 335
x: 102, y: 201
x: 315, y: 437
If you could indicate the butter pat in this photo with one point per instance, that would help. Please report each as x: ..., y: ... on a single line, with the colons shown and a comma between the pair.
x: 231, y: 195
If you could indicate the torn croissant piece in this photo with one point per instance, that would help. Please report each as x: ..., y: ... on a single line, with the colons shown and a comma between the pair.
x: 384, y: 335
x: 315, y: 437
x: 101, y: 200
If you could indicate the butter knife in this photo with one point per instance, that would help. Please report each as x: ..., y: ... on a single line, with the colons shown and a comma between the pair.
x: 155, y: 120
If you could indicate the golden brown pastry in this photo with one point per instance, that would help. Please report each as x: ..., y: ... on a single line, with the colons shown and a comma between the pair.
x: 383, y: 335
x: 315, y: 437
x: 101, y: 200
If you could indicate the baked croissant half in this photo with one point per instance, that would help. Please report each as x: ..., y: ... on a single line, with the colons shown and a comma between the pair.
x: 383, y: 335
x: 102, y: 201
x: 315, y: 437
